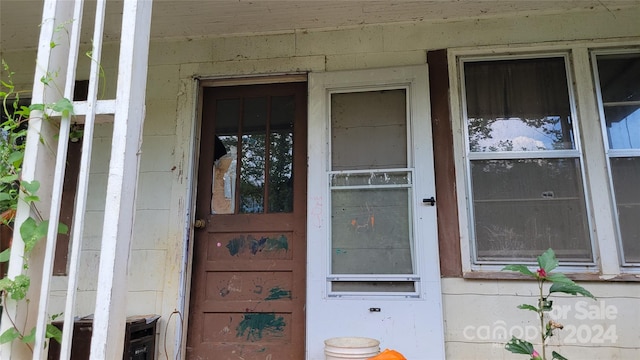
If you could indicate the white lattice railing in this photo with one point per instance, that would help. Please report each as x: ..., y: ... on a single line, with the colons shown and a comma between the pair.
x: 128, y: 116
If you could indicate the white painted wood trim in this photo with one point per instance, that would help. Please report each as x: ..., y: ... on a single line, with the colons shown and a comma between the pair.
x: 187, y: 154
x: 39, y: 348
x: 37, y: 161
x: 83, y: 182
x: 109, y: 321
x: 598, y: 186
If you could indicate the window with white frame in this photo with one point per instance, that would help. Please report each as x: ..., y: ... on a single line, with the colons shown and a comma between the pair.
x: 617, y: 77
x: 524, y: 164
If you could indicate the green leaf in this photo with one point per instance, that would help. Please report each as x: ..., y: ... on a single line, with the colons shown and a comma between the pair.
x: 528, y: 307
x: 5, y: 196
x: 9, y: 335
x: 30, y: 338
x: 32, y: 232
x: 30, y: 187
x: 558, y: 278
x: 63, y: 228
x: 31, y: 199
x: 63, y: 106
x: 518, y: 346
x: 15, y: 158
x: 548, y: 261
x: 556, y: 356
x: 570, y: 288
x: 8, y: 179
x: 24, y: 111
x: 5, y: 283
x: 519, y: 268
x: 39, y: 107
x: 54, y: 333
x: 5, y: 255
x: 19, y: 288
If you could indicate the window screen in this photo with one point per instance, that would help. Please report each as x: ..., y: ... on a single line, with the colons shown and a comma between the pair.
x: 371, y: 187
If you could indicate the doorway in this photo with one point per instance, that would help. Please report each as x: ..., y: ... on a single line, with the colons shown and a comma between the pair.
x: 249, y: 255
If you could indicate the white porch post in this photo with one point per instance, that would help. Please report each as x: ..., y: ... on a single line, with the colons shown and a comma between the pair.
x: 110, y: 313
x: 38, y: 164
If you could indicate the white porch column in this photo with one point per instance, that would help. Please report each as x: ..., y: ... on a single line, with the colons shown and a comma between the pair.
x: 38, y: 164
x: 110, y: 312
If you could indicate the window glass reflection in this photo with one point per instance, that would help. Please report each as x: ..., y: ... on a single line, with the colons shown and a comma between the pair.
x: 518, y: 105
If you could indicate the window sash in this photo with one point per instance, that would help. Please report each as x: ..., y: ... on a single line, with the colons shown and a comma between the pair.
x: 557, y: 152
x: 614, y: 101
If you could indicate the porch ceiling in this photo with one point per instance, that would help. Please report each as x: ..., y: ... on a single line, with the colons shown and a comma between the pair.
x: 19, y: 19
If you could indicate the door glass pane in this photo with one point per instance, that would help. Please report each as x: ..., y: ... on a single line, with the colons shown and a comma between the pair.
x: 523, y: 207
x: 518, y: 105
x: 281, y: 154
x: 250, y: 120
x: 252, y: 166
x: 225, y: 156
x: 369, y: 130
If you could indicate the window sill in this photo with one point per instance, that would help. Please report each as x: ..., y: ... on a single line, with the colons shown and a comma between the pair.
x: 500, y: 275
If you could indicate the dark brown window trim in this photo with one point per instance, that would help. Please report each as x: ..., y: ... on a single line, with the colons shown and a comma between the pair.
x: 445, y: 176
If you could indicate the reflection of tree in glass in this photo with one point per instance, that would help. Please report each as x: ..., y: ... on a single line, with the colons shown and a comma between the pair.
x: 252, y: 173
x: 546, y: 133
x: 280, y: 170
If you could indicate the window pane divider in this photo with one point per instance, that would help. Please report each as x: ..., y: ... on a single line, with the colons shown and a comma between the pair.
x: 621, y: 103
x: 623, y: 153
x: 376, y: 277
x: 393, y: 186
x: 369, y: 171
x: 518, y: 155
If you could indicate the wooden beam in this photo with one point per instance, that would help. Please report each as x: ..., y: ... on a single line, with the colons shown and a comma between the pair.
x: 110, y: 313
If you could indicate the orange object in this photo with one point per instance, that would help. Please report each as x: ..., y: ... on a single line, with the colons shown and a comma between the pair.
x: 389, y: 355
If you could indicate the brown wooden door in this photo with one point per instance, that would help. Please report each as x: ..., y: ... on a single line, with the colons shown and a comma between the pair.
x: 248, y: 279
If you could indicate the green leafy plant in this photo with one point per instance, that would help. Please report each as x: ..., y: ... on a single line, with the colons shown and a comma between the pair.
x: 560, y: 283
x: 13, y: 190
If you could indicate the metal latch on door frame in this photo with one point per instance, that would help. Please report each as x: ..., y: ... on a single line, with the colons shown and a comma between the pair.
x: 431, y: 201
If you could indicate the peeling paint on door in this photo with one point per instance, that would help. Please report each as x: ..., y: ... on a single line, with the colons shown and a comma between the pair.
x: 277, y: 293
x: 255, y: 324
x: 240, y: 244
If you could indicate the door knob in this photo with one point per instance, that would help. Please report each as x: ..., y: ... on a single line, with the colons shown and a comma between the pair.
x: 199, y: 224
